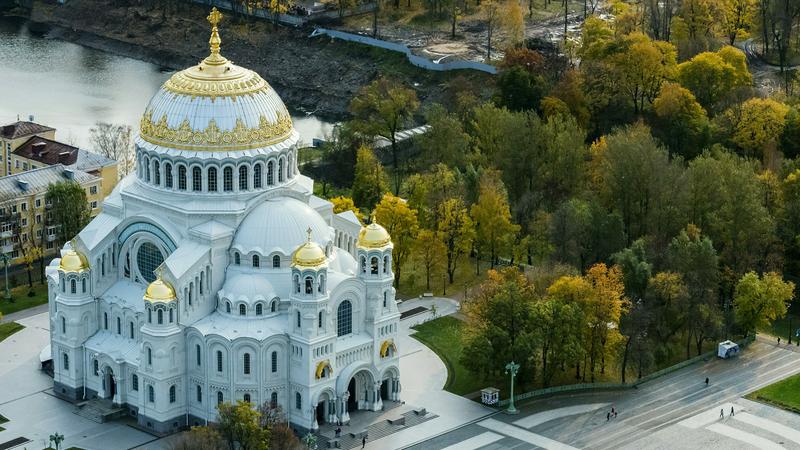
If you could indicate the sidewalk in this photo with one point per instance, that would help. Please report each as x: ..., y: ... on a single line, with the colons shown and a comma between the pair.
x: 25, y: 313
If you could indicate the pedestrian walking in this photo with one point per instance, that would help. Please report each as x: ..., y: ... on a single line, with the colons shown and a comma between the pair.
x: 615, y: 414
x: 364, y: 441
x: 732, y: 411
x: 608, y: 416
x: 706, y: 381
x: 721, y: 413
x: 779, y: 341
x: 613, y: 411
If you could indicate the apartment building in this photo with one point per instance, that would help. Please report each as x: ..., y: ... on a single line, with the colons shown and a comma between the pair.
x: 15, y: 134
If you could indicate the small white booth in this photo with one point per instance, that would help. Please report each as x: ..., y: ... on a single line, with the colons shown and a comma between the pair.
x: 728, y: 349
x: 490, y: 395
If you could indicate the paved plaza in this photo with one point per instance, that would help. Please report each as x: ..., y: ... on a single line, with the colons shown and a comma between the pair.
x: 675, y: 411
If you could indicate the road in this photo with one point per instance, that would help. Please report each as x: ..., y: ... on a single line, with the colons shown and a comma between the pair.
x: 579, y: 421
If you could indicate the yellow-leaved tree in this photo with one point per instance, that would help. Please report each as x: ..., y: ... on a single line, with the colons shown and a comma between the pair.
x: 400, y: 221
x: 492, y: 218
x: 757, y: 124
x: 342, y: 204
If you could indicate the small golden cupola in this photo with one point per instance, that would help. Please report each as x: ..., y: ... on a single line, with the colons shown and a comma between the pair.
x: 310, y: 255
x: 73, y: 261
x: 159, y: 290
x: 373, y: 236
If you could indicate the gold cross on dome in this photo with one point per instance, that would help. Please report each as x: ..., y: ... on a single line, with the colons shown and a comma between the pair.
x: 309, y: 234
x: 214, y: 17
x: 159, y: 271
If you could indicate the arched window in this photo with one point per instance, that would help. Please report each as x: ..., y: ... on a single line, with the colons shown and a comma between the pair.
x: 344, y: 318
x: 237, y: 258
x: 227, y: 179
x: 171, y: 310
x: 309, y: 285
x: 363, y: 265
x: 243, y: 182
x: 299, y: 323
x: 63, y: 324
x: 146, y: 165
x: 386, y: 264
x: 65, y: 361
x: 197, y: 354
x: 273, y: 400
x: 202, y: 275
x: 273, y: 306
x: 385, y: 298
x: 246, y: 364
x: 276, y: 262
x: 319, y: 320
x: 160, y: 313
x: 220, y: 398
x: 168, y: 175
x: 270, y: 172
x: 151, y: 394
x: 219, y: 361
x: 83, y: 285
x: 130, y: 329
x: 247, y: 398
x: 274, y: 362
x: 182, y: 178
x: 199, y: 394
x: 157, y: 173
x: 321, y: 284
x: 105, y: 321
x: 73, y: 287
x: 298, y: 400
x: 172, y: 394
x: 212, y: 179
x: 257, y: 176
x: 256, y: 261
x: 374, y: 265
x: 149, y: 315
x: 95, y: 367
x: 197, y: 179
x: 242, y: 310
x: 259, y: 309
x: 149, y: 356
x: 119, y: 325
x: 228, y: 307
x: 297, y: 284
x: 135, y: 382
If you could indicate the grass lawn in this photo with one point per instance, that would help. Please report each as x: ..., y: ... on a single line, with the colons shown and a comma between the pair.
x: 413, y: 282
x: 7, y: 329
x: 2, y: 420
x: 783, y: 394
x: 443, y: 336
x: 780, y: 327
x: 20, y: 298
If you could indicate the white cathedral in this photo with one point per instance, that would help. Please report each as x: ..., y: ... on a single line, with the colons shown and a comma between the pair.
x: 214, y: 274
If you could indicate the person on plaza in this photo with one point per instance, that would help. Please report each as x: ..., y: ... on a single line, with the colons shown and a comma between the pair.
x: 721, y: 413
x: 615, y: 414
x: 779, y: 341
x: 608, y: 416
x: 364, y: 441
x: 706, y: 381
x: 732, y: 411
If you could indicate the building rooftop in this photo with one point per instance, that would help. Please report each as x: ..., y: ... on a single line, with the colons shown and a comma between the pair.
x: 48, y: 151
x: 37, y: 180
x: 21, y: 128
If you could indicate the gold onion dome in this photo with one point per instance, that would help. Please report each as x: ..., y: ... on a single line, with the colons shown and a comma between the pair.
x: 72, y: 261
x: 373, y: 236
x: 309, y: 255
x: 216, y: 106
x: 159, y: 290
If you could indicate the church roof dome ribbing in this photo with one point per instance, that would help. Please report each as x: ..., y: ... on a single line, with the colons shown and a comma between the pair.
x: 373, y: 236
x: 73, y: 261
x: 216, y: 106
x: 159, y: 291
x: 278, y: 225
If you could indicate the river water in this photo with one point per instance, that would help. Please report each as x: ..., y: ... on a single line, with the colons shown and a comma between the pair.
x: 70, y: 88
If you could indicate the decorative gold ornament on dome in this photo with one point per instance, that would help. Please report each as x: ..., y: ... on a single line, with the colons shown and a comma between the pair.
x: 159, y: 290
x: 309, y: 255
x: 241, y: 137
x: 73, y: 261
x: 373, y: 236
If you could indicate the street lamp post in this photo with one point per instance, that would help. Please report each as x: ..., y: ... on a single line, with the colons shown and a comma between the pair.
x: 512, y: 368
x: 4, y: 257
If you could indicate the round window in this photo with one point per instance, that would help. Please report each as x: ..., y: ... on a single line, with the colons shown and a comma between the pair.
x: 148, y: 258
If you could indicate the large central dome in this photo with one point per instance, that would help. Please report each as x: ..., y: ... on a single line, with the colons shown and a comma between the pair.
x: 216, y: 106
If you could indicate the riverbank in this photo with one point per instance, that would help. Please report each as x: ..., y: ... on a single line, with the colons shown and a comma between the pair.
x: 316, y: 75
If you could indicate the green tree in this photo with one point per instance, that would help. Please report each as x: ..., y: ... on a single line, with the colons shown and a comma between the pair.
x: 370, y: 181
x: 383, y: 108
x: 401, y: 223
x: 641, y: 67
x: 457, y: 232
x: 759, y: 301
x: 429, y: 249
x: 69, y: 209
x: 445, y: 142
x: 199, y: 438
x: 518, y: 89
x: 680, y: 122
x: 239, y: 424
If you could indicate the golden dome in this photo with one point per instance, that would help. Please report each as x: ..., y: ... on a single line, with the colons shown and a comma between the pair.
x: 159, y: 291
x: 216, y: 106
x: 373, y: 236
x: 72, y: 261
x: 309, y: 255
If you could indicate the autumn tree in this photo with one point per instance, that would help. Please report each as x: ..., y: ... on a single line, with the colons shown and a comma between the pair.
x: 401, y: 223
x: 492, y: 16
x: 370, y: 181
x: 429, y: 248
x: 680, y: 122
x: 560, y: 324
x: 114, y: 141
x: 456, y: 231
x: 69, y: 208
x: 641, y: 67
x: 759, y: 301
x: 383, y: 108
x: 514, y: 23
x: 738, y: 17
x: 239, y: 424
x: 342, y: 204
x: 492, y: 218
x: 756, y: 125
x: 603, y: 308
x: 713, y: 76
x: 198, y: 438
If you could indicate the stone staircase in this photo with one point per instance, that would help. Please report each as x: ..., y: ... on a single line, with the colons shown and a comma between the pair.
x: 352, y: 438
x: 99, y: 410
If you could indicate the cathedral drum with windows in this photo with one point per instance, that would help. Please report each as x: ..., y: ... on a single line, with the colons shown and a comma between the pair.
x: 214, y: 274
